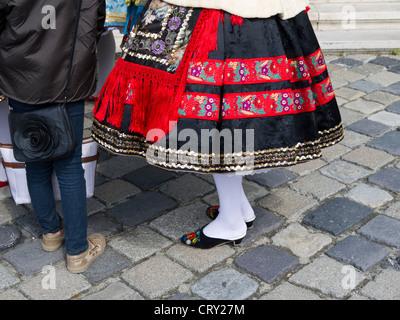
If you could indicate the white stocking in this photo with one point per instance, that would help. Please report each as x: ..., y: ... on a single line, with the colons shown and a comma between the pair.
x: 247, y: 210
x: 229, y: 223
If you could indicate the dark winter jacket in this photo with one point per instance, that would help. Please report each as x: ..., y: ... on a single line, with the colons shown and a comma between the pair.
x: 35, y: 45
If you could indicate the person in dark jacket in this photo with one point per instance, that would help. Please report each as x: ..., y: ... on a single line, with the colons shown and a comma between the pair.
x: 35, y: 44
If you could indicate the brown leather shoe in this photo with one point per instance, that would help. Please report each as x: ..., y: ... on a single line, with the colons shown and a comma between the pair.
x: 53, y: 241
x: 81, y: 262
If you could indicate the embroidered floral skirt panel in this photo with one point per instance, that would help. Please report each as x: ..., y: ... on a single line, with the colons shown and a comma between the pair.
x: 261, y: 97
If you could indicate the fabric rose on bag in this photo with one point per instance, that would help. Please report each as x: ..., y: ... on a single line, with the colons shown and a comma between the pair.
x: 39, y: 137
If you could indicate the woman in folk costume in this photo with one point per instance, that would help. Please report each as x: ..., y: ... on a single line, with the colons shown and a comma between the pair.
x: 222, y: 87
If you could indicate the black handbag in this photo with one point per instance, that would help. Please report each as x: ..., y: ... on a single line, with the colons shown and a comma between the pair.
x: 45, y: 134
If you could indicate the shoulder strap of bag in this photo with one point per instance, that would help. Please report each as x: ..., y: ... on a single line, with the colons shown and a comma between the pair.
x: 78, y: 12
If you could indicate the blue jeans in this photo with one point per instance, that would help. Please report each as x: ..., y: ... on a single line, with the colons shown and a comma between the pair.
x: 70, y: 176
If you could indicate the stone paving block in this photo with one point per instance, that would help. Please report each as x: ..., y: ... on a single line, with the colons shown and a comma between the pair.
x: 385, y: 286
x: 252, y: 190
x: 369, y: 196
x: 395, y: 69
x: 300, y: 241
x: 347, y: 62
x: 115, y: 291
x: 118, y: 166
x: 7, y: 279
x: 350, y: 76
x: 67, y: 285
x: 368, y: 69
x: 287, y: 291
x: 369, y: 157
x: 344, y: 171
x: 148, y: 177
x: 199, y: 260
x: 115, y: 191
x: 382, y: 97
x: 142, y: 208
x: 9, y: 211
x: 349, y: 116
x: 99, y: 223
x: 317, y: 185
x: 393, y: 211
x: 151, y: 279
x: 207, y: 177
x: 327, y: 276
x: 94, y: 206
x: 5, y: 193
x: 390, y: 142
x: 349, y: 94
x: 337, y: 215
x: 384, y: 78
x: 12, y: 295
x: 106, y: 265
x: 180, y: 221
x: 382, y: 229
x: 394, y: 107
x: 9, y: 236
x: 104, y: 155
x: 353, y: 139
x: 358, y: 252
x: 306, y: 168
x: 388, y: 178
x: 385, y: 61
x: 28, y: 258
x: 139, y: 243
x: 394, y: 88
x: 266, y: 262
x: 387, y: 118
x: 334, y: 152
x: 338, y: 82
x: 99, y: 180
x: 334, y: 68
x: 364, y: 85
x: 265, y: 223
x: 225, y: 284
x: 182, y: 189
x: 288, y: 203
x: 364, y: 106
x: 272, y: 178
x: 341, y: 101
x: 369, y: 127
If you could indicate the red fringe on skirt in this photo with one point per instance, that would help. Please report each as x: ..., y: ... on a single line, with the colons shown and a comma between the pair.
x: 157, y: 94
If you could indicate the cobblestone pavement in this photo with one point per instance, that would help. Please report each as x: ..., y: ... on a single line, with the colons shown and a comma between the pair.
x: 326, y: 229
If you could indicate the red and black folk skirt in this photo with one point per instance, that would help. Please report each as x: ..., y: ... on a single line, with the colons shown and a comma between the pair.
x: 205, y: 91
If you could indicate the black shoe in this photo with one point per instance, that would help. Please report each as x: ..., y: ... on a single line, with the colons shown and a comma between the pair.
x: 213, y: 211
x: 199, y: 240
